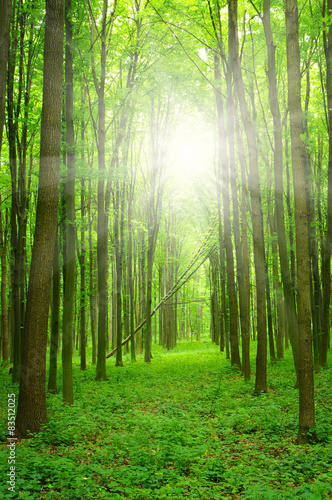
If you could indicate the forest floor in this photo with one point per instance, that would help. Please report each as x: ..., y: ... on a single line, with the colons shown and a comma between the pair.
x: 186, y: 426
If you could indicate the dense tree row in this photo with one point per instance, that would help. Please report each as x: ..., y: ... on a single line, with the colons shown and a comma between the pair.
x: 185, y: 160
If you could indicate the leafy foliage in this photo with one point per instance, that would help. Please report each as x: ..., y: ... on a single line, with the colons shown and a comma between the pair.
x: 185, y: 426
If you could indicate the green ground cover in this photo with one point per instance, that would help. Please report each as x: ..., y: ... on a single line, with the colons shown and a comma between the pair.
x: 186, y: 426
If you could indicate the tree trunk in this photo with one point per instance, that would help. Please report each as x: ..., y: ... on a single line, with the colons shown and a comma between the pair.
x: 5, y: 16
x: 69, y: 295
x: 82, y: 260
x: 256, y: 213
x: 222, y: 180
x: 306, y: 379
x: 131, y: 281
x: 31, y: 411
x: 102, y: 228
x: 326, y: 264
x: 118, y: 273
x: 4, y: 315
x: 55, y: 322
x: 244, y: 282
x: 92, y: 285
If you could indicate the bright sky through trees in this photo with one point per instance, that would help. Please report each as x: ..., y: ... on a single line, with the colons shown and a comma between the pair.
x: 191, y: 154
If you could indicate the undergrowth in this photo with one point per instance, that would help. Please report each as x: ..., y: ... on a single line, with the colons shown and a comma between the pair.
x: 185, y: 426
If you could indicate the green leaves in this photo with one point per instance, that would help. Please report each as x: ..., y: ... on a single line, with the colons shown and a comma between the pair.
x: 149, y: 433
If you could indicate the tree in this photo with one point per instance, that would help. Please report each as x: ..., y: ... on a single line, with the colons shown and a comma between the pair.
x: 70, y: 257
x: 326, y: 250
x: 5, y: 13
x: 306, y: 379
x: 31, y: 411
x: 256, y: 211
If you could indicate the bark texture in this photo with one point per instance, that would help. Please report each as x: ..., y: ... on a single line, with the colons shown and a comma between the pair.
x: 256, y: 213
x: 31, y: 411
x: 306, y: 379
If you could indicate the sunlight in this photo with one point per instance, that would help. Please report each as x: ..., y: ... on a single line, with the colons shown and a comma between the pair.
x: 190, y: 154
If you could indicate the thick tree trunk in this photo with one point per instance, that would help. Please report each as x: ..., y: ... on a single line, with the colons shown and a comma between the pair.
x: 31, y: 411
x: 306, y: 379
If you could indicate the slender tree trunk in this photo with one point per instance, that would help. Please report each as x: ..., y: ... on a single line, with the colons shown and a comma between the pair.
x: 280, y: 320
x: 244, y: 282
x: 102, y: 228
x: 82, y: 259
x: 256, y: 213
x: 131, y: 281
x: 69, y: 296
x: 326, y: 264
x: 55, y: 322
x: 14, y: 214
x: 83, y: 291
x: 223, y: 181
x: 31, y: 411
x: 5, y: 16
x: 306, y: 379
x: 4, y: 315
x: 118, y: 268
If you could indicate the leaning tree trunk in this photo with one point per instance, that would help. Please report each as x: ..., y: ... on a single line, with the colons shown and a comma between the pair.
x: 31, y: 411
x: 306, y: 378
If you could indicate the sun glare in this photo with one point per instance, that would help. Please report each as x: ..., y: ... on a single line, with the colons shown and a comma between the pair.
x: 191, y: 154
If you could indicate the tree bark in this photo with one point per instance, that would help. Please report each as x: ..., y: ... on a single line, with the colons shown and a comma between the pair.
x: 223, y: 181
x: 69, y: 295
x: 306, y: 379
x: 55, y: 322
x: 244, y: 282
x: 256, y: 213
x: 5, y: 16
x: 31, y: 411
x: 326, y: 264
x: 102, y: 227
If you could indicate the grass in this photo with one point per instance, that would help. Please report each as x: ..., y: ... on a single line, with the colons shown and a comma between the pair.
x: 186, y: 426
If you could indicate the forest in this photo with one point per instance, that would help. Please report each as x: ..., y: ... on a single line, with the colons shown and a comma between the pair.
x: 165, y: 245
